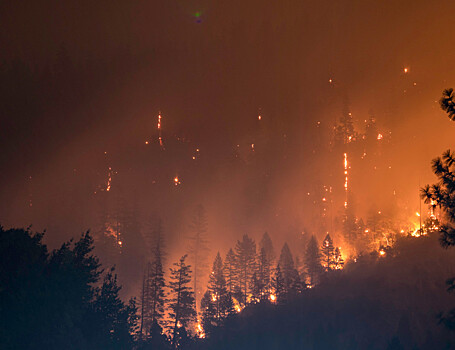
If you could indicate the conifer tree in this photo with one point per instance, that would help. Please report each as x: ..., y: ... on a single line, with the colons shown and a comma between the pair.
x: 198, y: 247
x: 328, y: 253
x: 182, y: 304
x: 313, y: 261
x: 245, y: 257
x: 262, y: 277
x: 230, y: 272
x: 277, y: 286
x: 153, y: 295
x: 217, y: 300
x: 338, y: 259
x: 290, y: 276
x: 267, y: 245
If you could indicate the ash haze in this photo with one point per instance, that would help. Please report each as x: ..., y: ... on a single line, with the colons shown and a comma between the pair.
x: 252, y: 97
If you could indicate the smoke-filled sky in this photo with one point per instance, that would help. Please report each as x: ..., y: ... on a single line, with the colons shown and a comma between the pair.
x: 83, y: 82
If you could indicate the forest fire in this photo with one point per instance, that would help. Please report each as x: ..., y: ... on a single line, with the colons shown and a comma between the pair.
x: 227, y: 175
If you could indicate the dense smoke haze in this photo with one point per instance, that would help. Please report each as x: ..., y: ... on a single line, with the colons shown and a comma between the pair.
x: 278, y: 117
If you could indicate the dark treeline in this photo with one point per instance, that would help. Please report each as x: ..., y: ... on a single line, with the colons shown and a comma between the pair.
x: 64, y: 299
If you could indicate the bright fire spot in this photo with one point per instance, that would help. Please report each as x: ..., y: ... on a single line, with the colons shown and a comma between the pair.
x: 417, y: 213
x: 120, y: 243
x: 272, y: 298
x: 146, y: 142
x: 176, y: 181
x: 199, y: 330
x: 179, y: 324
x: 406, y: 70
x: 330, y: 81
x: 259, y: 117
x: 382, y: 252
x: 109, y: 180
x: 213, y: 297
x: 379, y: 136
x: 252, y: 147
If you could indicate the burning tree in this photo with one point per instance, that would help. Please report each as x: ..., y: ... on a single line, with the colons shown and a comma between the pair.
x: 182, y: 303
x: 328, y: 252
x: 216, y: 303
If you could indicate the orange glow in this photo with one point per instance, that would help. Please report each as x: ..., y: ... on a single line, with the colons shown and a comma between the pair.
x: 176, y: 181
x: 406, y: 70
x: 272, y: 298
x: 109, y: 180
x: 199, y: 330
x: 379, y: 136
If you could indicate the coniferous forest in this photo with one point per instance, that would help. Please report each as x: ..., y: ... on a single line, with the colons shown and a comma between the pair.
x: 238, y: 175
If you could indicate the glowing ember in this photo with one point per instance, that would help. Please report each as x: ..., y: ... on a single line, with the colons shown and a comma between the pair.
x: 346, y: 179
x: 199, y: 330
x: 272, y: 298
x: 109, y: 180
x: 176, y: 181
x: 379, y: 136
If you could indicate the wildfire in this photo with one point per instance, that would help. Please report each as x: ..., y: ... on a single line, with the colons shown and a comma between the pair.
x: 272, y: 298
x: 176, y: 181
x: 199, y: 330
x: 160, y: 138
x: 109, y: 180
x: 379, y: 137
x: 346, y: 179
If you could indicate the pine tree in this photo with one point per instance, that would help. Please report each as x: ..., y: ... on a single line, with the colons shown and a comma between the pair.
x: 328, y: 253
x: 245, y: 257
x: 182, y: 303
x: 261, y: 278
x: 198, y: 247
x: 290, y: 276
x: 277, y: 286
x: 217, y: 300
x: 230, y: 272
x: 313, y: 261
x: 338, y: 262
x: 153, y: 295
x: 267, y: 245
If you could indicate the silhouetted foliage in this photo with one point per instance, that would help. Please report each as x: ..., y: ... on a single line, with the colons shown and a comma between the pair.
x: 182, y: 303
x: 53, y: 301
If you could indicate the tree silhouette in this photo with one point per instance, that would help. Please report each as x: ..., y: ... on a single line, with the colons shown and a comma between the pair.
x: 328, y: 252
x: 153, y: 295
x: 313, y: 260
x: 245, y: 257
x: 447, y: 103
x: 290, y: 275
x: 182, y: 303
x: 198, y: 247
x: 56, y: 300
